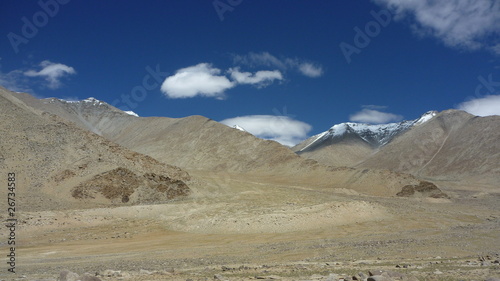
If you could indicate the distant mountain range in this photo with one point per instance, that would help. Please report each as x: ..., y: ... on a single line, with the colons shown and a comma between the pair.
x: 451, y: 146
x: 89, y: 152
x: 199, y: 145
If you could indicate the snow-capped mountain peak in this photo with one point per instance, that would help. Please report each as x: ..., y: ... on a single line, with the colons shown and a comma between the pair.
x: 88, y: 103
x: 375, y: 135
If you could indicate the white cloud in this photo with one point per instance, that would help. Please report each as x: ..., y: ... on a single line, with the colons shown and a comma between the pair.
x: 201, y: 79
x: 52, y: 72
x: 485, y: 106
x: 205, y: 80
x: 310, y: 70
x: 469, y: 24
x: 282, y: 129
x: 266, y: 59
x: 260, y: 78
x: 374, y: 117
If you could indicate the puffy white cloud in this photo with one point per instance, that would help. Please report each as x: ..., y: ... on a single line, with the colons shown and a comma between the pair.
x: 282, y: 129
x: 372, y: 116
x: 199, y: 80
x: 52, y: 72
x: 205, y: 80
x: 310, y: 70
x: 484, y: 106
x: 260, y: 78
x: 469, y: 24
x: 266, y: 59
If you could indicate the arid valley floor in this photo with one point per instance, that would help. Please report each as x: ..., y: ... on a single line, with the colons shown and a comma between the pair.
x: 242, y: 228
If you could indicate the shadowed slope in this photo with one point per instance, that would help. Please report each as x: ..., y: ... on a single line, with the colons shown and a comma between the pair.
x: 53, y: 158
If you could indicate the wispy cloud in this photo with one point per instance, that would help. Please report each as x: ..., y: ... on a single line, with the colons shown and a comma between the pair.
x: 311, y: 70
x: 372, y: 116
x: 52, y: 73
x: 484, y: 106
x: 304, y: 67
x: 373, y: 106
x: 259, y: 59
x: 205, y: 80
x: 282, y: 129
x: 467, y: 24
x: 259, y: 78
x: 15, y: 81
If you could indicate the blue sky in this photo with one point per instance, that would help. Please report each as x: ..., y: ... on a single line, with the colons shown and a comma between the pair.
x: 283, y: 70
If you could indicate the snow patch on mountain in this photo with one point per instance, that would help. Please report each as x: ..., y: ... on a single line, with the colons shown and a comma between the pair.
x: 91, y: 100
x: 239, y: 128
x: 426, y: 117
x: 132, y: 113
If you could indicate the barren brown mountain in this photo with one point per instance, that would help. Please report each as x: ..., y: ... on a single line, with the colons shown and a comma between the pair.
x: 453, y: 146
x: 60, y: 165
x: 197, y: 143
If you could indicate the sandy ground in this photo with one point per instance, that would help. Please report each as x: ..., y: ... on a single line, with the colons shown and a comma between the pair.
x: 238, y: 228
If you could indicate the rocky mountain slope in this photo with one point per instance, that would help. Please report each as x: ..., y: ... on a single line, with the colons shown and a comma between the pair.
x: 59, y: 165
x: 450, y: 146
x: 197, y: 143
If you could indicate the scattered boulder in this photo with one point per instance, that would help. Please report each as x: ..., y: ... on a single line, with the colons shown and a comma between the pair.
x: 67, y: 275
x: 332, y: 277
